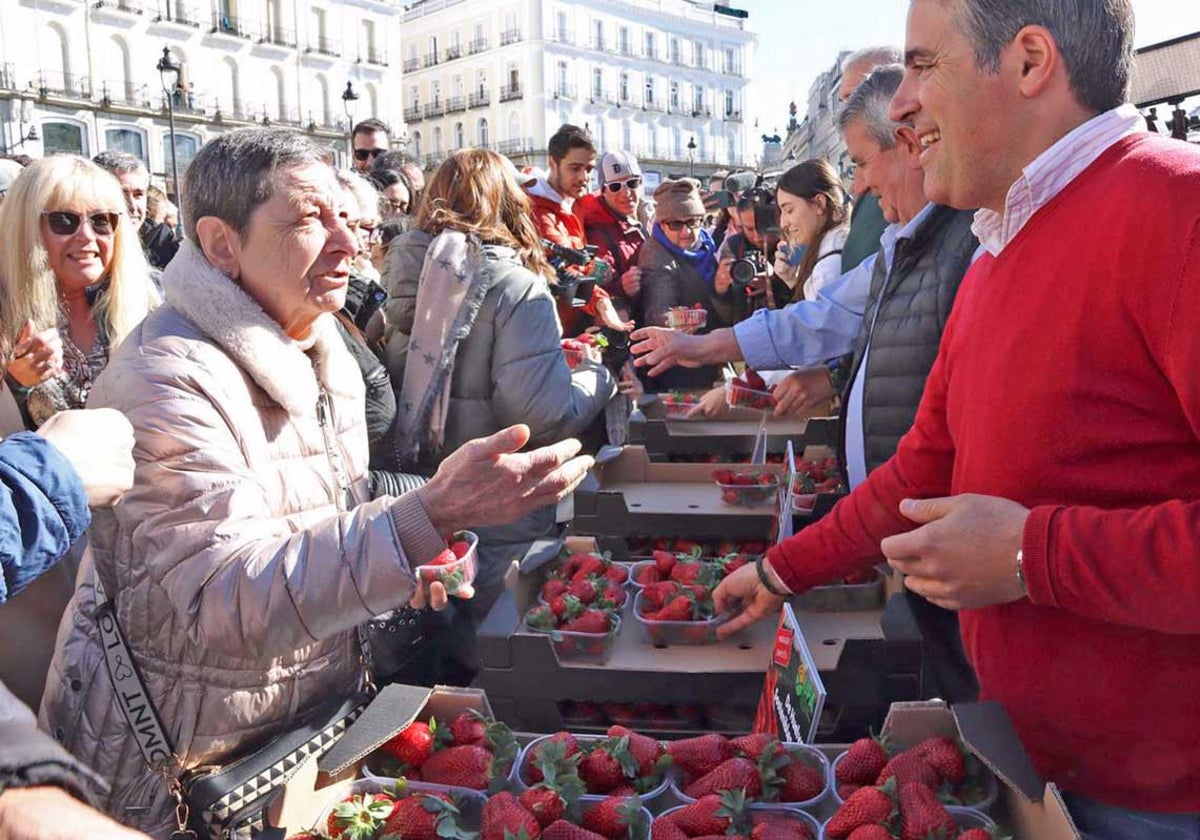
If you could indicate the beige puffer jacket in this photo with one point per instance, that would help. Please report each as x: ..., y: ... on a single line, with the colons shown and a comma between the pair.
x: 237, y: 575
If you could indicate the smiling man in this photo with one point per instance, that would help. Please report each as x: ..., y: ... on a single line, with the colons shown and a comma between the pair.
x: 610, y: 223
x: 1050, y: 486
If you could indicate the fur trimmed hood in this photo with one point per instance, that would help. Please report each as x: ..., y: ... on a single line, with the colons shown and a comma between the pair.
x: 221, y: 310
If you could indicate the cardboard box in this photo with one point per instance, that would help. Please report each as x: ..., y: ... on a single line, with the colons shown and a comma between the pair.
x: 732, y: 433
x: 304, y: 797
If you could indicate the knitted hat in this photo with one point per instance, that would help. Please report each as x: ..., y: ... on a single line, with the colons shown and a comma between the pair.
x: 674, y: 200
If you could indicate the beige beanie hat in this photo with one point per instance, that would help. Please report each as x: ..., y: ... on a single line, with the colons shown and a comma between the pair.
x: 680, y: 199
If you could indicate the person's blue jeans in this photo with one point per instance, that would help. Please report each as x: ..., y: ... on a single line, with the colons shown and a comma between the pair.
x: 1097, y: 821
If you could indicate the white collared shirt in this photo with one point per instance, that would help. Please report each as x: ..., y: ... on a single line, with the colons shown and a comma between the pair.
x: 1051, y: 171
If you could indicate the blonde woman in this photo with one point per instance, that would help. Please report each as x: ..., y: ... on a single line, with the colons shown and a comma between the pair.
x: 73, y: 276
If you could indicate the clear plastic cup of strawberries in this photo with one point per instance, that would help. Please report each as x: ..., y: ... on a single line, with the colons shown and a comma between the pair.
x: 749, y: 391
x: 746, y: 488
x: 687, y: 318
x: 455, y: 567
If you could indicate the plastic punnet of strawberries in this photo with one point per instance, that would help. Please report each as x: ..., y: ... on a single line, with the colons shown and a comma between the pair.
x: 469, y: 752
x: 577, y: 631
x: 548, y: 812
x: 454, y: 567
x: 671, y: 613
x: 687, y: 568
x: 393, y: 813
x: 903, y: 793
x: 592, y: 579
x: 622, y: 763
x: 749, y: 391
x: 678, y: 404
x: 725, y: 816
x: 758, y: 765
x: 746, y: 488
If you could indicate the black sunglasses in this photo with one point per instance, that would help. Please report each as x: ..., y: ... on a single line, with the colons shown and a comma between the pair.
x: 677, y: 225
x: 66, y: 222
x: 631, y: 184
x: 363, y: 154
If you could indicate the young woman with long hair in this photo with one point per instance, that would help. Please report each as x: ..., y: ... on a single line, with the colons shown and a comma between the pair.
x: 813, y: 218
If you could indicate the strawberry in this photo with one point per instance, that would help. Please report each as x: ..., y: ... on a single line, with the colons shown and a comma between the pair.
x: 541, y: 617
x: 560, y: 606
x: 665, y: 561
x: 583, y: 589
x: 778, y: 827
x: 460, y: 548
x: 664, y: 828
x: 645, y: 750
x: 503, y: 815
x: 413, y: 744
x: 862, y: 763
x: 921, y: 815
x: 444, y: 558
x: 800, y: 782
x: 647, y: 575
x: 612, y: 597
x: 677, y: 609
x: 423, y: 816
x: 657, y: 594
x: 557, y: 750
x: 753, y: 746
x: 866, y: 806
x: 553, y: 588
x: 616, y: 575
x: 712, y: 814
x: 470, y: 727
x: 692, y: 571
x: 358, y: 817
x: 591, y: 621
x: 723, y: 476
x: 601, y: 771
x: 870, y: 832
x: 944, y: 755
x: 563, y: 830
x: 590, y: 566
x: 465, y: 766
x: 694, y: 756
x: 909, y: 767
x: 613, y: 816
x: 544, y: 803
x: 976, y: 834
x: 845, y: 790
x: 734, y: 774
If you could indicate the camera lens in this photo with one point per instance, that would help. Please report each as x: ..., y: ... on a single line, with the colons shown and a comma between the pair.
x: 743, y: 271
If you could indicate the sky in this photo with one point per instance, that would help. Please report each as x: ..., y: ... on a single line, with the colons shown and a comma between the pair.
x: 798, y: 40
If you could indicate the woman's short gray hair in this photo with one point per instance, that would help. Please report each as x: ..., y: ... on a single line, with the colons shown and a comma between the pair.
x: 234, y: 173
x: 870, y: 103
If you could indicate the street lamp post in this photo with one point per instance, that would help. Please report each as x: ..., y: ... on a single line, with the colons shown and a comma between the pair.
x: 691, y: 147
x: 169, y: 66
x: 348, y: 96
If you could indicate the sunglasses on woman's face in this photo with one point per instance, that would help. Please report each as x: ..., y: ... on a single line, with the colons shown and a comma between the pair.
x: 67, y: 222
x: 631, y: 185
x: 676, y: 225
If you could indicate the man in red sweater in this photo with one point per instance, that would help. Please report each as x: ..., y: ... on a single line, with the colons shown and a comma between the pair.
x: 1049, y: 489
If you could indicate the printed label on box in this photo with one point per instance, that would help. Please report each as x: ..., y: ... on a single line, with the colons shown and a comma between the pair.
x: 793, y: 694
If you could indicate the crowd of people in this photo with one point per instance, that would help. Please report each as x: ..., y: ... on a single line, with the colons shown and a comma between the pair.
x: 234, y: 428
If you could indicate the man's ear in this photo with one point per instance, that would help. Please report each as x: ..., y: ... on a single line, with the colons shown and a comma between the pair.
x: 220, y: 245
x: 909, y: 146
x: 1036, y: 59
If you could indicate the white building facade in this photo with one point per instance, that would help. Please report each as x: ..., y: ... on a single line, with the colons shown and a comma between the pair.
x: 816, y: 135
x: 80, y: 75
x: 665, y: 80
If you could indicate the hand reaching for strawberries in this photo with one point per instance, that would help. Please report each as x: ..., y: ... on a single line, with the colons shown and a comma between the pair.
x: 50, y: 813
x: 743, y: 589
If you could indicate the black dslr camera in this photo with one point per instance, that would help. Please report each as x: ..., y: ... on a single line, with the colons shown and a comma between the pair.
x: 574, y: 286
x: 753, y: 262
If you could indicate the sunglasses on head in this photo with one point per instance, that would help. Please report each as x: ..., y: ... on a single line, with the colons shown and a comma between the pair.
x: 631, y: 185
x: 676, y: 225
x: 363, y: 154
x: 66, y: 222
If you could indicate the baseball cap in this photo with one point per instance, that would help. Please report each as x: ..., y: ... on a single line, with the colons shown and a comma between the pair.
x: 618, y: 166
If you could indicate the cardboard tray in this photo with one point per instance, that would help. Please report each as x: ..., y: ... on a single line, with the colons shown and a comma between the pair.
x: 733, y: 433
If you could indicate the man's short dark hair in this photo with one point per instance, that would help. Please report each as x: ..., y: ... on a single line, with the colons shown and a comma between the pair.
x: 234, y: 173
x: 567, y: 138
x: 392, y: 159
x: 370, y: 126
x: 1094, y: 37
x: 119, y: 163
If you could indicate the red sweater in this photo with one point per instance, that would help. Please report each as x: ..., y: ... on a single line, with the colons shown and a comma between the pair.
x: 555, y: 224
x: 1069, y: 381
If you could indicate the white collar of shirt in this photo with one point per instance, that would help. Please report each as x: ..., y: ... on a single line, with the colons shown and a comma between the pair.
x: 895, y: 232
x: 1050, y: 172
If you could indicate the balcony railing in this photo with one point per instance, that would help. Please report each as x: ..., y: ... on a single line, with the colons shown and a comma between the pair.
x: 478, y: 45
x: 510, y: 36
x: 677, y: 59
x: 411, y: 65
x: 455, y: 104
x: 603, y: 97
x: 123, y: 93
x: 734, y: 69
x: 479, y: 99
x: 64, y: 85
x: 133, y: 7
x: 560, y: 92
x: 650, y: 105
x: 515, y: 146
x: 278, y: 36
x: 733, y: 116
x: 453, y: 52
x: 511, y: 92
x: 598, y: 44
x: 433, y: 159
x: 564, y: 36
x: 180, y: 14
x: 230, y: 25
x: 413, y: 114
x: 325, y: 46
x: 374, y: 55
x: 435, y: 109
x: 431, y: 59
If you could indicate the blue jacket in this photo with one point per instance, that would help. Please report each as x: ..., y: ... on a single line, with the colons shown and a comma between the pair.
x: 43, y: 509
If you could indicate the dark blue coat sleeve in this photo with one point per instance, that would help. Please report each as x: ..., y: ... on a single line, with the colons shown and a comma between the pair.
x: 43, y: 509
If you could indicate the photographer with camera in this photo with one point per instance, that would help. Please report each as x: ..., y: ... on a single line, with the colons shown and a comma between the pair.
x: 679, y: 268
x: 746, y: 259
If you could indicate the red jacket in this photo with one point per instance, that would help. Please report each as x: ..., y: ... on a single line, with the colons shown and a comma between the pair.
x: 563, y: 228
x: 618, y: 239
x: 1068, y: 382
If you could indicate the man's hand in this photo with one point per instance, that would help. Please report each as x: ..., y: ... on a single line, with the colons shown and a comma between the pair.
x: 631, y: 281
x: 629, y: 384
x: 489, y: 481
x: 712, y: 404
x: 99, y: 444
x: 724, y: 278
x: 743, y: 589
x: 803, y: 391
x: 965, y: 554
x: 36, y: 356
x: 607, y: 314
x: 50, y: 813
x: 661, y: 349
